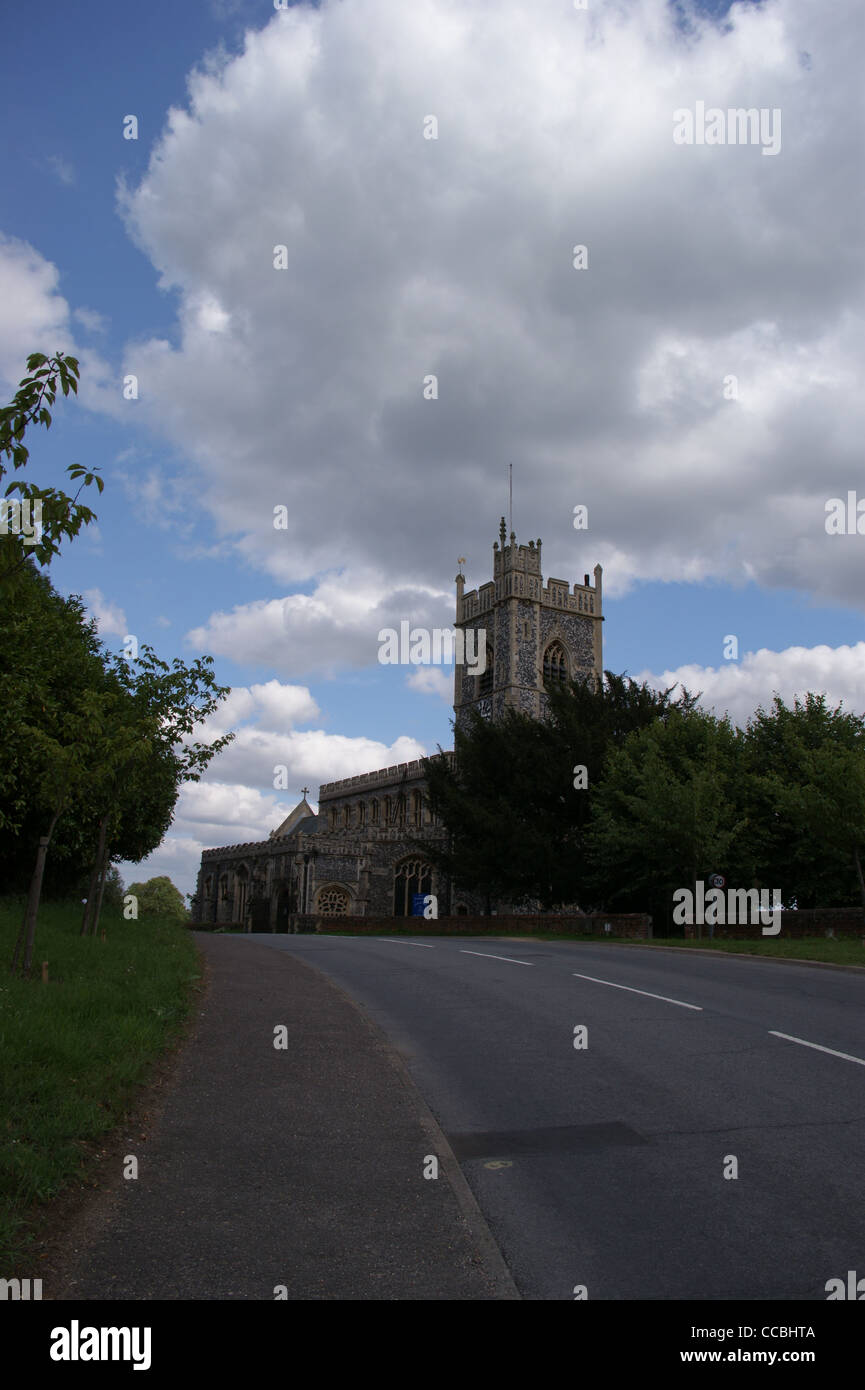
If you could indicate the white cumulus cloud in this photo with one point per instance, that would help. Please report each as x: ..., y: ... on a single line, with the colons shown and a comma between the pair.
x: 110, y: 617
x: 739, y: 687
x: 409, y: 257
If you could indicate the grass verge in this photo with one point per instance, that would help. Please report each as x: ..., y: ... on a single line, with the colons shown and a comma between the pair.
x: 837, y: 951
x: 840, y: 951
x: 74, y: 1051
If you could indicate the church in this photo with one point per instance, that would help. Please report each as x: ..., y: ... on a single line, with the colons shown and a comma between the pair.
x: 357, y: 856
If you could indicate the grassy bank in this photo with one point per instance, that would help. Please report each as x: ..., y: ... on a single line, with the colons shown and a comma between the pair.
x: 840, y: 951
x: 74, y: 1051
x: 817, y: 948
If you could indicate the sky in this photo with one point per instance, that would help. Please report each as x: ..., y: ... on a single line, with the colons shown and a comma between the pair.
x: 692, y: 376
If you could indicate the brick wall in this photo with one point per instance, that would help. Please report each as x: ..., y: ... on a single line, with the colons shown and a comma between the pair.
x: 817, y: 921
x: 635, y: 925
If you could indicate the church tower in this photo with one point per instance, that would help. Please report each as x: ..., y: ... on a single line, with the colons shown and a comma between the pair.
x: 534, y: 633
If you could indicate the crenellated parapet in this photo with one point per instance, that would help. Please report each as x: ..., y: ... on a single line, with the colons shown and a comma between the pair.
x: 368, y: 781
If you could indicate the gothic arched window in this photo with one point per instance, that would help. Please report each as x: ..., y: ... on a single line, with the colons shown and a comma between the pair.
x: 555, y: 664
x: 411, y: 877
x: 241, y: 890
x: 361, y: 813
x: 374, y: 816
x: 485, y: 680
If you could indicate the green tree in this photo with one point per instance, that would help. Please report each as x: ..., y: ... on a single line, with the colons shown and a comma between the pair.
x: 123, y: 739
x: 53, y: 513
x: 49, y: 669
x: 114, y: 889
x: 95, y: 749
x: 496, y: 810
x: 515, y: 805
x: 666, y: 812
x: 152, y: 753
x: 805, y: 800
x: 158, y: 897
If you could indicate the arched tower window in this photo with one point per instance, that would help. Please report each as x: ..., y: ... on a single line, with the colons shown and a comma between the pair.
x: 375, y: 814
x: 485, y: 680
x: 555, y: 664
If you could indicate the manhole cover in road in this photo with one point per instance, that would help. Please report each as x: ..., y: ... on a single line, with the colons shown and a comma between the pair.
x: 559, y: 1139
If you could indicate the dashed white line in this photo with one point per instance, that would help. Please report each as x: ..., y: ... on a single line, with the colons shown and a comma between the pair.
x: 490, y: 956
x: 389, y: 941
x: 666, y: 999
x: 817, y: 1048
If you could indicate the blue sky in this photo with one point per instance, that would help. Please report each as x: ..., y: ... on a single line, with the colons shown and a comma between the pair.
x: 450, y: 256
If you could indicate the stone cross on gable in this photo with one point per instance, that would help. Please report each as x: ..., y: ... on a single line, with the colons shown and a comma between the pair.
x: 304, y: 791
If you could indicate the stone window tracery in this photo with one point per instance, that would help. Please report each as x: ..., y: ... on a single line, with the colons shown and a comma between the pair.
x: 555, y: 664
x: 333, y: 902
x: 410, y: 877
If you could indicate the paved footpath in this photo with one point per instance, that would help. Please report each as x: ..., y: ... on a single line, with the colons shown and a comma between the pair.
x: 299, y: 1167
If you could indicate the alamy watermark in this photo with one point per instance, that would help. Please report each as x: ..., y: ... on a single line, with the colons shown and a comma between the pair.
x: 736, y: 907
x: 18, y: 1290
x: 22, y: 517
x: 420, y: 646
x: 77, y: 1343
x: 845, y: 518
x: 738, y: 125
x: 854, y: 1288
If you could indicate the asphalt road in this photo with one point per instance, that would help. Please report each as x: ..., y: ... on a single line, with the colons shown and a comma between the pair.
x: 604, y: 1166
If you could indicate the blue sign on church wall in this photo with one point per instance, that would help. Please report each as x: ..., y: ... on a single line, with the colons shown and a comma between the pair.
x: 418, y: 902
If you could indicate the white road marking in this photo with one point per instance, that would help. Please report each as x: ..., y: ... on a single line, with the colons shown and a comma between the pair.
x: 489, y: 956
x: 389, y: 941
x: 666, y: 999
x: 817, y: 1048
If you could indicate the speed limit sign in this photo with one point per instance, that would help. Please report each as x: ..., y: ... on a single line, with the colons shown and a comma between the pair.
x: 717, y: 880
